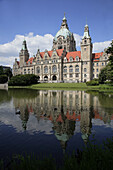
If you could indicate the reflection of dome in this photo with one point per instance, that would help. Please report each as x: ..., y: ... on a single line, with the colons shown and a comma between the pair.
x: 85, y: 137
x: 63, y: 32
x: 63, y: 137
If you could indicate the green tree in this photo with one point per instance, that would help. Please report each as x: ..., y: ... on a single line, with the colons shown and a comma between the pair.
x: 8, y: 72
x: 107, y: 72
x: 1, y: 70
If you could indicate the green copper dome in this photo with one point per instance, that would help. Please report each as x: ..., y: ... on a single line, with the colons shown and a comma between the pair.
x: 63, y: 32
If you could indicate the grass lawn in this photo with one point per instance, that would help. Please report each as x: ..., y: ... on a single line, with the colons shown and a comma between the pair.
x: 67, y: 86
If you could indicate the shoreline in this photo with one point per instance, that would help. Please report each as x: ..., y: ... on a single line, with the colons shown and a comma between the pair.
x: 66, y: 86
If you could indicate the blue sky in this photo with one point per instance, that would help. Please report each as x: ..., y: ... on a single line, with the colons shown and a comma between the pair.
x: 41, y: 19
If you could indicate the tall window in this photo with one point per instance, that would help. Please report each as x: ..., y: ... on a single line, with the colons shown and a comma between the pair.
x: 85, y: 69
x: 70, y: 68
x: 38, y: 69
x: 65, y: 69
x: 76, y: 68
x: 45, y: 69
x: 37, y: 58
x: 54, y: 69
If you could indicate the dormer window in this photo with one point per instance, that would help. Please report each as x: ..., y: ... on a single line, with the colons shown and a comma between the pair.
x: 45, y: 57
x: 77, y: 58
x: 65, y: 59
x: 71, y: 59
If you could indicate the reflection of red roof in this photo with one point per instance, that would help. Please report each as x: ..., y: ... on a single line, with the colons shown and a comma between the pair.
x: 97, y: 116
x: 73, y: 54
x: 96, y: 56
x: 30, y: 60
x: 59, y: 119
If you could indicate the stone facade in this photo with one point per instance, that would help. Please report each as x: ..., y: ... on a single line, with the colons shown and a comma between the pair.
x: 63, y: 63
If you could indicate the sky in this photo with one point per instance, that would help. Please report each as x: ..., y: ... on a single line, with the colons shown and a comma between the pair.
x: 38, y: 21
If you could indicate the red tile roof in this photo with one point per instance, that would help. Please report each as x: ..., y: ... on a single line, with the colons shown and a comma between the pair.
x: 73, y: 54
x: 30, y: 60
x: 18, y: 62
x: 96, y: 56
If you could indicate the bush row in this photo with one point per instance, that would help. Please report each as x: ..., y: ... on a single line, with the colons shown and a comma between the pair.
x: 94, y: 82
x: 23, y: 80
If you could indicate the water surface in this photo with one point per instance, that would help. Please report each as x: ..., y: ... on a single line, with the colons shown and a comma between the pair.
x: 52, y: 122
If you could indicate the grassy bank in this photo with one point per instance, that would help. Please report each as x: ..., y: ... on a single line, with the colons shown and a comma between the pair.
x: 93, y: 157
x: 67, y: 86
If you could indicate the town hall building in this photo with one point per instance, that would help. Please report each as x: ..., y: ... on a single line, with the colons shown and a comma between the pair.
x: 63, y: 63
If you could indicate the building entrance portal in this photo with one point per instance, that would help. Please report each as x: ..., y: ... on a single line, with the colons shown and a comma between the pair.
x: 46, y: 78
x: 54, y: 78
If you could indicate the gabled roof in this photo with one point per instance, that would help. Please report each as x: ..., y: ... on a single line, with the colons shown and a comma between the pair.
x: 59, y: 52
x: 96, y: 56
x: 73, y: 54
x: 30, y: 60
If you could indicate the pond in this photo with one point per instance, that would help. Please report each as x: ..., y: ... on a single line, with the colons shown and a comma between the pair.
x: 52, y: 122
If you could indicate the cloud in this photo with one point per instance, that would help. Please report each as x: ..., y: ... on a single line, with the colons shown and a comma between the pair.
x: 78, y: 39
x: 100, y: 46
x: 10, y: 51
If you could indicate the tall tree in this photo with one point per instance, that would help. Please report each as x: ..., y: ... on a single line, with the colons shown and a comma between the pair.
x: 107, y: 72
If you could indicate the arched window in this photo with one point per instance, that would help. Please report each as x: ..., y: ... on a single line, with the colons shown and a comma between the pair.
x: 76, y: 68
x: 85, y: 69
x: 71, y: 68
x: 71, y: 59
x: 65, y: 69
x: 54, y: 69
x: 38, y: 69
x: 45, y: 69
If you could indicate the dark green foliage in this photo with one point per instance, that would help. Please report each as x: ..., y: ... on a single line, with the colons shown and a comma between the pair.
x: 94, y: 82
x: 107, y: 72
x: 8, y: 72
x: 1, y: 70
x: 103, y: 75
x: 23, y: 80
x: 3, y: 79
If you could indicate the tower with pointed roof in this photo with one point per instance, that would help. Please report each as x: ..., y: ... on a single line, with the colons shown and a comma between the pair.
x: 86, y: 55
x: 64, y: 38
x: 23, y: 55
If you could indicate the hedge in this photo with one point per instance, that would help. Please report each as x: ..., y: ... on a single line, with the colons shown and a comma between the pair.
x: 23, y: 80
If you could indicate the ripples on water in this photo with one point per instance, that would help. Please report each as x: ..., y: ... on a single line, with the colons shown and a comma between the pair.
x: 52, y: 122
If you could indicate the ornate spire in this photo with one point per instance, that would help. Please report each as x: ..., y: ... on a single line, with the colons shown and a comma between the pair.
x: 24, y: 45
x: 64, y: 17
x: 64, y: 22
x: 86, y: 32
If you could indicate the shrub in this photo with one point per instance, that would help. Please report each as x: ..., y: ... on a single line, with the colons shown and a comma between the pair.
x: 23, y: 80
x: 3, y: 79
x: 94, y: 82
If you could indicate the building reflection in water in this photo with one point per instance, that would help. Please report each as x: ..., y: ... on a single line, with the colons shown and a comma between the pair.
x: 63, y: 109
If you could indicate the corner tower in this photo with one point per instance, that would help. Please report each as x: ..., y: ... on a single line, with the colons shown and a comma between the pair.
x: 64, y: 39
x: 23, y: 55
x: 86, y: 55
